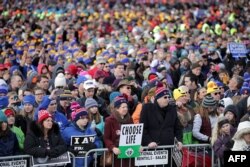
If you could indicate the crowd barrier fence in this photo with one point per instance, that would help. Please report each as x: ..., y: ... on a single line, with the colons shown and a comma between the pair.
x: 193, y: 155
x: 27, y: 161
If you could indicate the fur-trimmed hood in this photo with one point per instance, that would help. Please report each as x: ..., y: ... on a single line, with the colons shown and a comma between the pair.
x: 37, y: 131
x: 243, y: 128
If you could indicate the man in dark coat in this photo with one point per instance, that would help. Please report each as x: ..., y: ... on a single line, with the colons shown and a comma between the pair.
x: 161, y: 124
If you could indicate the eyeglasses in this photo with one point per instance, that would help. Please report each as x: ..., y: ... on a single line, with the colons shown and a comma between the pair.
x: 39, y: 94
x: 102, y: 63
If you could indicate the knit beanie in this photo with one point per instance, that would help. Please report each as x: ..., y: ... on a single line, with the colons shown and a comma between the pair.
x: 160, y: 92
x: 3, y: 89
x: 60, y: 80
x: 212, y: 87
x: 246, y: 77
x: 152, y: 77
x: 9, y: 111
x: 3, y: 117
x: 231, y: 108
x: 76, y: 115
x: 119, y: 100
x: 30, y: 99
x: 208, y: 101
x: 222, y: 121
x: 245, y: 89
x: 42, y: 115
x: 74, y: 106
x: 4, y: 101
x: 113, y: 95
x: 90, y: 102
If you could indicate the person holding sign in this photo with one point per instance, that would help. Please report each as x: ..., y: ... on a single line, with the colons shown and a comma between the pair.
x: 80, y: 137
x: 112, y: 131
x: 44, y: 140
x: 161, y: 124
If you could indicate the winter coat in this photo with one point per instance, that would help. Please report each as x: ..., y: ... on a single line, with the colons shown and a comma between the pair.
x: 242, y: 108
x: 221, y: 144
x: 36, y: 146
x: 58, y: 117
x: 74, y: 130
x: 157, y: 128
x: 19, y: 134
x: 112, y: 136
x: 8, y: 145
x: 23, y: 123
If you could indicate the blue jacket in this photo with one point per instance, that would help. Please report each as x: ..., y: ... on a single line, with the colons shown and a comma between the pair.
x: 8, y: 145
x: 74, y: 130
x: 58, y: 117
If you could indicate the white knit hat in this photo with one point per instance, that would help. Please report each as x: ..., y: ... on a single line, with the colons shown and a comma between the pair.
x: 60, y: 80
x: 243, y: 128
x: 226, y: 102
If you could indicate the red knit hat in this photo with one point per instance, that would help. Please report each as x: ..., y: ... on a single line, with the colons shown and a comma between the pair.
x: 8, y: 112
x: 152, y: 77
x: 43, y: 114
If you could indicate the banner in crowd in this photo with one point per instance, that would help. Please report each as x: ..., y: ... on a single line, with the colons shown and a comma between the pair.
x: 80, y: 143
x: 156, y: 157
x: 16, y: 162
x: 61, y: 160
x: 237, y: 49
x: 130, y: 140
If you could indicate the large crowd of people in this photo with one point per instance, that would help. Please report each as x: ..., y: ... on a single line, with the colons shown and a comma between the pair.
x: 84, y: 67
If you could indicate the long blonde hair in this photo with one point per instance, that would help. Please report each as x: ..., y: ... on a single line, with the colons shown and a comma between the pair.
x: 96, y: 117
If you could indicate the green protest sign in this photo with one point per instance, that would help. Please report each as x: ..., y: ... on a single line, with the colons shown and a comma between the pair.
x: 130, y: 140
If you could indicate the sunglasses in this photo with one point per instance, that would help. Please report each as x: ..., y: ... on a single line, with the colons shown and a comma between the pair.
x: 59, y: 87
x: 217, y: 93
x: 52, y: 104
x: 166, y: 97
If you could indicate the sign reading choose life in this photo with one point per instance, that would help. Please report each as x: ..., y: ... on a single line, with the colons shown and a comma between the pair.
x: 130, y: 140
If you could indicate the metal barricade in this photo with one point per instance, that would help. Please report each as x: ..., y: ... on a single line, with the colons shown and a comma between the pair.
x: 194, y: 155
x: 25, y: 160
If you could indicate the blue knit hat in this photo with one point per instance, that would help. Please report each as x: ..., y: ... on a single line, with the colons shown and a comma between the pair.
x: 3, y: 89
x: 30, y: 99
x: 3, y: 117
x: 80, y: 80
x: 113, y: 95
x: 90, y: 102
x: 245, y: 89
x: 4, y: 102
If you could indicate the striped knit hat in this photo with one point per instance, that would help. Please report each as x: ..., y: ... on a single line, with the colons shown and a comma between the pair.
x: 119, y: 100
x: 160, y: 92
x: 208, y: 101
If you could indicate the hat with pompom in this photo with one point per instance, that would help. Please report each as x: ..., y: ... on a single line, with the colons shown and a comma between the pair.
x: 76, y: 115
x: 42, y: 115
x: 60, y: 80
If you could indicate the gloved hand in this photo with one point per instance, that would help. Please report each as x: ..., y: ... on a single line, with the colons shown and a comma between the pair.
x: 229, y: 145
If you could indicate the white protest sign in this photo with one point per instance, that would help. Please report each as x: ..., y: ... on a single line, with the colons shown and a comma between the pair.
x: 237, y: 49
x: 14, y: 163
x: 157, y: 157
x: 79, y: 144
x: 130, y: 140
x: 61, y: 160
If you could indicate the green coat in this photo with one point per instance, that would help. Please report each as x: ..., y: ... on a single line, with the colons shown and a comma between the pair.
x: 20, y: 136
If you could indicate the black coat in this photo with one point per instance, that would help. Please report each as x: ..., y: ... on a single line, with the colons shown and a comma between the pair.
x: 156, y: 128
x: 36, y: 146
